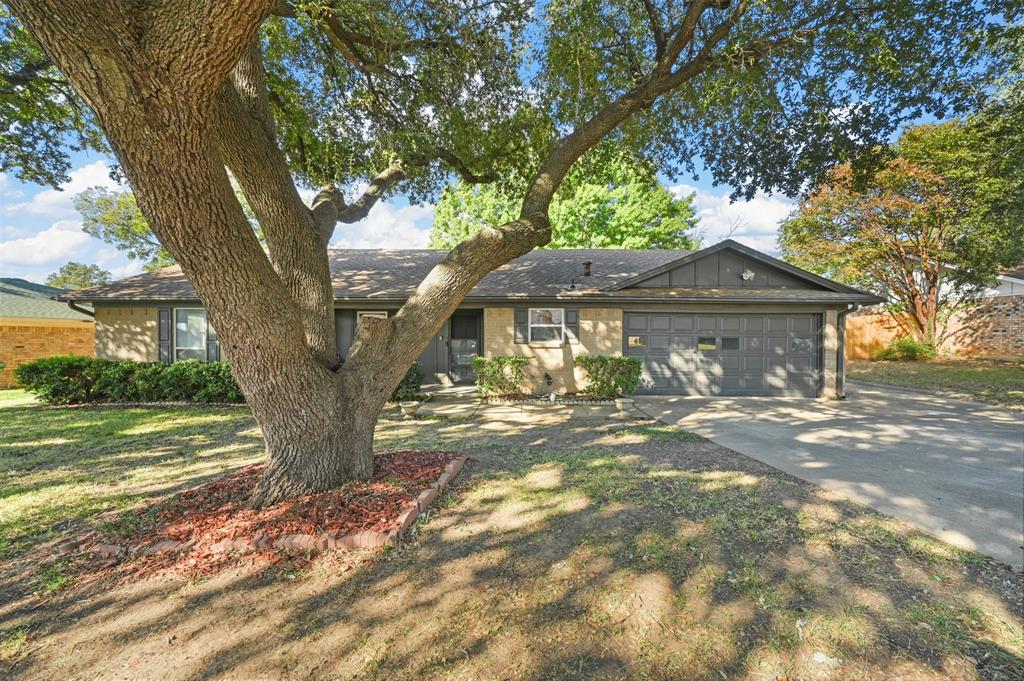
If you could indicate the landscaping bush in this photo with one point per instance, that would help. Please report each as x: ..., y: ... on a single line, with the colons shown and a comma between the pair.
x: 409, y: 389
x: 66, y: 379
x: 906, y: 349
x: 79, y: 380
x: 610, y: 376
x: 500, y: 376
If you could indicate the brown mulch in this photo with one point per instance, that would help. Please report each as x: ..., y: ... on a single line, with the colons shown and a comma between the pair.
x: 218, y: 510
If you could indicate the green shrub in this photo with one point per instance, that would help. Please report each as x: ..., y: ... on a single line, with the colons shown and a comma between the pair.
x: 65, y: 379
x: 610, y: 376
x: 79, y: 380
x: 500, y: 376
x: 409, y: 389
x: 906, y: 349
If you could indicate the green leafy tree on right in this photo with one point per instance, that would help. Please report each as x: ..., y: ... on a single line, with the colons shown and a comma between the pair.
x: 932, y: 227
x: 605, y: 203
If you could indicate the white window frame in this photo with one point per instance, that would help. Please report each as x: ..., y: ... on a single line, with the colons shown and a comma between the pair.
x: 530, y: 326
x: 372, y: 314
x: 174, y: 331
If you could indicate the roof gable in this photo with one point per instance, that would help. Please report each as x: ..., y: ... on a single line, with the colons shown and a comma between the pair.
x: 723, y: 266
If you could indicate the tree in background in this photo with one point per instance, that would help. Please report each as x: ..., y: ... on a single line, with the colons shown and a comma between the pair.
x: 370, y: 98
x: 76, y: 275
x: 613, y: 203
x: 930, y: 229
x: 114, y: 217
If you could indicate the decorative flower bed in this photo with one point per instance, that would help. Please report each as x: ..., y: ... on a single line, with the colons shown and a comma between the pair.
x: 202, y: 529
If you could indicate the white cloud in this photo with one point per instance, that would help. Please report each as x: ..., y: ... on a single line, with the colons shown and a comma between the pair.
x: 388, y: 227
x: 59, y: 242
x: 60, y: 204
x: 754, y: 223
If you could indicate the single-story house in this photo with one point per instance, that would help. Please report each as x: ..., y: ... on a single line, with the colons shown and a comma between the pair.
x: 33, y: 326
x: 725, y: 320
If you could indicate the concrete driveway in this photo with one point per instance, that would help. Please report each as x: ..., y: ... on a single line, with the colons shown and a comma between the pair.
x: 952, y: 468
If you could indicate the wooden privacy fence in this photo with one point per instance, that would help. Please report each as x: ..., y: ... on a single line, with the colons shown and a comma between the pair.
x: 994, y: 326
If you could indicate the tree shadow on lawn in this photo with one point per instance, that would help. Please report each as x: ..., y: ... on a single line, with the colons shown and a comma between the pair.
x: 588, y: 550
x: 59, y: 467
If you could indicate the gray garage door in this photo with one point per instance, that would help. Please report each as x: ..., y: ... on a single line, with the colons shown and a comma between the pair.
x: 725, y: 354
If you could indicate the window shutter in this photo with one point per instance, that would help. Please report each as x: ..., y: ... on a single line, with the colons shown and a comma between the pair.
x: 522, y: 326
x: 572, y: 325
x: 164, y: 335
x: 212, y: 343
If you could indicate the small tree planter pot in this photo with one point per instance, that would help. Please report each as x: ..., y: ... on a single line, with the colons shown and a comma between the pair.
x: 409, y: 409
x: 624, y: 405
x: 366, y: 539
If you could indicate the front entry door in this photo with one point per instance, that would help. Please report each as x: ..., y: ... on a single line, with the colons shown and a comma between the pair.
x: 465, y: 345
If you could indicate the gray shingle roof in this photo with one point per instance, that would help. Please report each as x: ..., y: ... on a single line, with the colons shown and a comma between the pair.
x: 391, y: 275
x: 394, y: 274
x: 20, y: 298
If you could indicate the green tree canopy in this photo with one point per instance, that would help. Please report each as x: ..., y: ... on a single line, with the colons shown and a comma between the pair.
x: 41, y: 116
x: 114, y: 217
x: 617, y: 203
x: 76, y: 275
x: 930, y: 229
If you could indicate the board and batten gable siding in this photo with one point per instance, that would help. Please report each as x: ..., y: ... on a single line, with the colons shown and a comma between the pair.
x: 600, y: 333
x: 127, y: 332
x: 724, y: 269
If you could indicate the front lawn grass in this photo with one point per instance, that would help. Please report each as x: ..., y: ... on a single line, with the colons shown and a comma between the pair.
x: 990, y: 381
x: 573, y: 550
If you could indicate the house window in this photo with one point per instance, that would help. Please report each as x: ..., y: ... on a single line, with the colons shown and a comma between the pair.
x: 373, y: 314
x: 707, y: 343
x: 546, y: 324
x: 189, y: 333
x: 636, y: 341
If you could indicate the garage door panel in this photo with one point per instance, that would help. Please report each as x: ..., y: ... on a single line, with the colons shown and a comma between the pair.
x: 738, y: 354
x: 800, y: 324
x: 660, y: 323
x: 753, y: 364
x: 636, y: 323
x: 659, y: 344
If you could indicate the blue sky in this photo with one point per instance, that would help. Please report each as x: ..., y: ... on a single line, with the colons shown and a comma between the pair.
x: 40, y: 229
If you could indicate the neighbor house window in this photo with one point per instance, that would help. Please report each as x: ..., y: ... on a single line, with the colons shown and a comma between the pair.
x: 189, y: 334
x: 547, y: 324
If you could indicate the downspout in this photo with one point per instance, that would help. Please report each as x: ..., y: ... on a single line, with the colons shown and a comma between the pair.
x: 82, y: 310
x: 841, y: 351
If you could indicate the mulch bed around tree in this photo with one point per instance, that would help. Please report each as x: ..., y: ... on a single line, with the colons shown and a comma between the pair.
x: 210, y: 527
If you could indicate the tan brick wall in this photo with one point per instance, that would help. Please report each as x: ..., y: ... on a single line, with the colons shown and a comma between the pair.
x: 21, y: 343
x: 126, y: 332
x: 600, y: 334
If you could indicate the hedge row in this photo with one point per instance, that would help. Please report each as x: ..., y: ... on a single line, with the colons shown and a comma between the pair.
x: 79, y: 380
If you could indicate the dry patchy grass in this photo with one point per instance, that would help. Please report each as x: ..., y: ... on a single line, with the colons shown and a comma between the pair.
x: 570, y: 551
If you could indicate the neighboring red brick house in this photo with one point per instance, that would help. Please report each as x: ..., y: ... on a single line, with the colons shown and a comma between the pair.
x: 33, y: 326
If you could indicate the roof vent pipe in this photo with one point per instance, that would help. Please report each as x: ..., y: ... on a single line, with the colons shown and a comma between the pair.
x: 586, y: 268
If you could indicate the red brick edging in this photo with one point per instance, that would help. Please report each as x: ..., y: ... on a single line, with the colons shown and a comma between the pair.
x: 367, y: 539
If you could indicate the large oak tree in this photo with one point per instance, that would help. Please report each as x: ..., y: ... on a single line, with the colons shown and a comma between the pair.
x: 403, y: 95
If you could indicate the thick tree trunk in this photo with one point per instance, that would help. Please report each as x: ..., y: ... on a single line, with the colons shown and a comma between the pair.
x: 155, y: 77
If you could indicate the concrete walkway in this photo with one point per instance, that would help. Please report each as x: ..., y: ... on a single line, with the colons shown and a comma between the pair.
x: 952, y: 468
